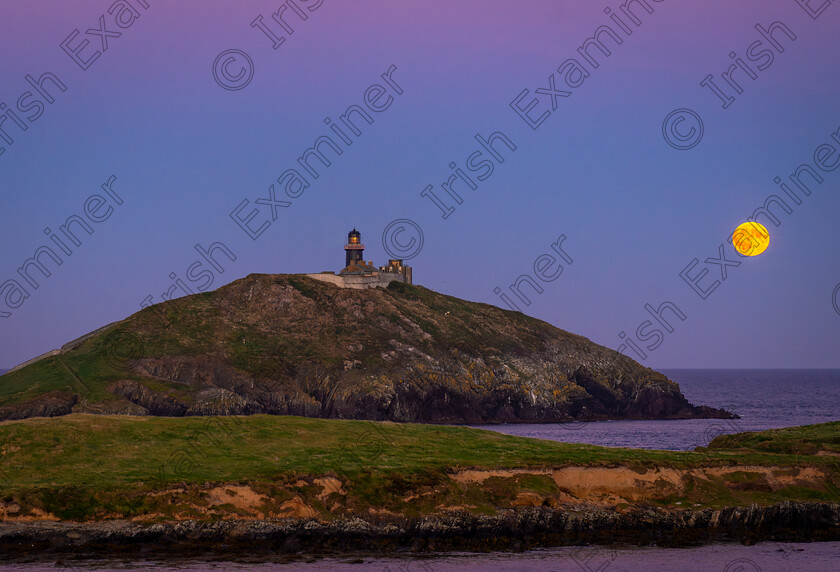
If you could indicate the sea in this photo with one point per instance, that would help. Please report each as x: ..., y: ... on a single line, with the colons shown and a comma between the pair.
x: 764, y: 399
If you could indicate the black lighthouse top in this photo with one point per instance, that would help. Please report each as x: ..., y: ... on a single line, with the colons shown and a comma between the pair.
x: 354, y: 248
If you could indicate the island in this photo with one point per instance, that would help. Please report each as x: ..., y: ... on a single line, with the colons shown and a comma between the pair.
x: 365, y: 343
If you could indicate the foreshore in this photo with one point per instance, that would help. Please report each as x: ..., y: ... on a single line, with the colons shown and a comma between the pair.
x: 508, y: 530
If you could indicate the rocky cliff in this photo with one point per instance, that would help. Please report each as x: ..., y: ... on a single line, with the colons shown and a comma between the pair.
x: 287, y: 344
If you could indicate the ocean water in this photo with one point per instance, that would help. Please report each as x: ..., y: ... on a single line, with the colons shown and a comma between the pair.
x: 764, y: 399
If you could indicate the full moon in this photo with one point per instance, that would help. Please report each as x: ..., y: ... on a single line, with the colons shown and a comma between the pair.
x: 751, y: 239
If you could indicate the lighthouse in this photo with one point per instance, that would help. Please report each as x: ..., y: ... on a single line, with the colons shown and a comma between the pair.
x: 354, y: 249
x: 360, y: 274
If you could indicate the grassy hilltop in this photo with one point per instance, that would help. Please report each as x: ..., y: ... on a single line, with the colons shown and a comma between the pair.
x: 287, y: 344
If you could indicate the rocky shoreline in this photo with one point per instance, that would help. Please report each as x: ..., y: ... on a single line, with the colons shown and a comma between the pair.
x: 509, y: 529
x: 141, y: 401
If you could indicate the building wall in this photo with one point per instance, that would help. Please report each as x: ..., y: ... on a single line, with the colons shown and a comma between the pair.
x: 33, y: 360
x: 379, y: 280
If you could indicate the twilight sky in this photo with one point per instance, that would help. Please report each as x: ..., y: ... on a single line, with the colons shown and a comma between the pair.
x: 158, y: 114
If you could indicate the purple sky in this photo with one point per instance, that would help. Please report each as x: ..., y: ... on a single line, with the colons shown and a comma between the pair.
x: 635, y: 211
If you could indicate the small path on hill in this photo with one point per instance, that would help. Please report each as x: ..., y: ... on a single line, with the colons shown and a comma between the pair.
x: 76, y: 377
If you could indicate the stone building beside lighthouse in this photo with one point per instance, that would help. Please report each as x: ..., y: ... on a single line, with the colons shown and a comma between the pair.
x: 359, y: 274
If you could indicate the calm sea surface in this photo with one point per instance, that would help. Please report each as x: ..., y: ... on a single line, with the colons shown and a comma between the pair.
x: 764, y: 399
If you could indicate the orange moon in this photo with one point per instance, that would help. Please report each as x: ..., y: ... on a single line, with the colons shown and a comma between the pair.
x: 751, y: 239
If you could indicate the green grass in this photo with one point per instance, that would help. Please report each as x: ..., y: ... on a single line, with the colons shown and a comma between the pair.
x: 85, y: 371
x: 805, y: 440
x: 103, y: 451
x: 80, y: 467
x: 17, y: 386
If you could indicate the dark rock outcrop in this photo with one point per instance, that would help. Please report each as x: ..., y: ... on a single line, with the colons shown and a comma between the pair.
x: 52, y: 404
x: 511, y: 529
x: 153, y: 402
